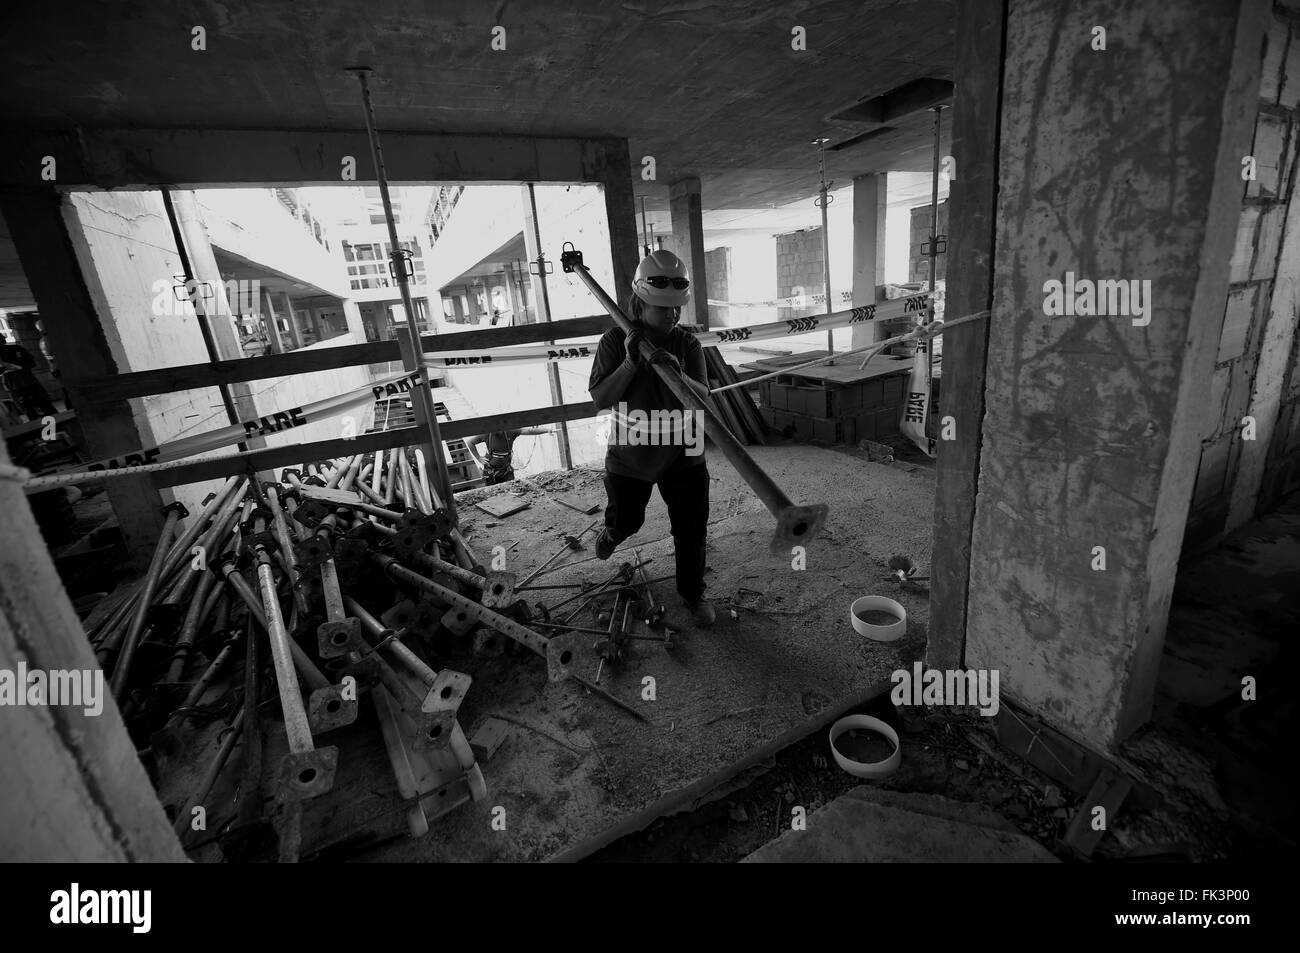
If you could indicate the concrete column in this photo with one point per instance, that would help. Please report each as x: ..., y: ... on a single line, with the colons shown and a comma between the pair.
x: 352, y: 314
x: 1092, y: 423
x: 869, y: 205
x: 688, y: 232
x: 38, y: 223
x: 976, y: 104
x: 274, y: 340
x: 295, y: 335
x: 317, y: 328
x: 220, y: 311
x: 72, y: 789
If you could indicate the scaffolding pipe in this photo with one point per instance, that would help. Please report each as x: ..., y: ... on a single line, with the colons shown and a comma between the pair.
x: 412, y: 349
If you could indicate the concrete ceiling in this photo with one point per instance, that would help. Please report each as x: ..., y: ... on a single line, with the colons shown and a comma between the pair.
x: 708, y: 87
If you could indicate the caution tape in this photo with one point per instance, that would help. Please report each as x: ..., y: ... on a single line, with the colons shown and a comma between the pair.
x: 550, y: 353
x: 271, y: 423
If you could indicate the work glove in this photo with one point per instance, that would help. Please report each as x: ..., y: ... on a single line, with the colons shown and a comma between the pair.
x: 660, y: 356
x: 633, y: 343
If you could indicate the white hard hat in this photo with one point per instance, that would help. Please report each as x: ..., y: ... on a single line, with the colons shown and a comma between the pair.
x: 661, y: 280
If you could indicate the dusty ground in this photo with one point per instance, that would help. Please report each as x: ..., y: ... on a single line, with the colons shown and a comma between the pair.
x: 1211, y: 759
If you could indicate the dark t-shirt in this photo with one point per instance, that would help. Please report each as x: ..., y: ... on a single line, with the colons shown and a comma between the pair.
x: 647, y: 393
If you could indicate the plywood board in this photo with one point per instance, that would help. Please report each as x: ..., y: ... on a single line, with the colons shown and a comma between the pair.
x: 502, y: 506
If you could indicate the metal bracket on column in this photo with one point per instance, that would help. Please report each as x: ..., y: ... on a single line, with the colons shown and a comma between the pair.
x: 307, y: 774
x: 498, y: 590
x: 443, y: 703
x: 458, y: 621
x: 328, y: 708
x: 413, y: 533
x: 401, y: 615
x: 561, y: 652
x: 337, y: 639
x: 796, y: 524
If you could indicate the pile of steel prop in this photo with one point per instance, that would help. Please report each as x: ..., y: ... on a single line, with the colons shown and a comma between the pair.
x: 353, y: 574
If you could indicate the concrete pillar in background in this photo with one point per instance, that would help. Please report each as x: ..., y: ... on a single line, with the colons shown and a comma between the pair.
x: 869, y: 206
x: 688, y: 233
x: 295, y: 334
x: 274, y: 341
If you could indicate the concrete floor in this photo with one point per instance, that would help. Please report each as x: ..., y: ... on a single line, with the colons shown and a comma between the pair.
x: 574, y: 772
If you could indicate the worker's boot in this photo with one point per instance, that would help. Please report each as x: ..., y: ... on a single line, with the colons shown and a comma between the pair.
x: 605, y: 544
x: 701, y: 610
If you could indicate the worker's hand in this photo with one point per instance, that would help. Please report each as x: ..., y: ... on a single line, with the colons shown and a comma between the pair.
x: 633, y: 343
x: 666, y: 358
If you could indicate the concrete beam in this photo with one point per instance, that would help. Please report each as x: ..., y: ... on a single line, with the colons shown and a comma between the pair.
x: 1092, y: 423
x: 149, y: 158
x: 688, y: 234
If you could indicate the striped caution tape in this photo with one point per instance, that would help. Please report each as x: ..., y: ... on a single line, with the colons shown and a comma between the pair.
x: 156, y: 457
x: 884, y: 311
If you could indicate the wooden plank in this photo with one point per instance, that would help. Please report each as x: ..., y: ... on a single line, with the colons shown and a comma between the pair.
x: 113, y: 158
x: 740, y: 398
x: 972, y: 206
x: 294, y: 454
x: 94, y: 390
x: 575, y: 503
x: 503, y: 505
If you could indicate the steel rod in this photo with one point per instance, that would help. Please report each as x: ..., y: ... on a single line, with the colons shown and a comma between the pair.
x: 558, y: 654
x: 413, y: 351
x: 296, y: 726
x: 122, y: 668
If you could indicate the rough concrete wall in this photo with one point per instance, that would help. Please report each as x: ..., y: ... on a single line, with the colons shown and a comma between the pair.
x: 799, y: 268
x: 918, y: 268
x: 1114, y: 165
x: 1255, y: 337
x: 124, y: 245
x: 286, y: 393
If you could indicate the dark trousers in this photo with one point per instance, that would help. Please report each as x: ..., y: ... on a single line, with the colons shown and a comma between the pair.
x: 686, y: 494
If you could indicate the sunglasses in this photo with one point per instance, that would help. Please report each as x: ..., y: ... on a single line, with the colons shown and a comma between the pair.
x: 660, y: 281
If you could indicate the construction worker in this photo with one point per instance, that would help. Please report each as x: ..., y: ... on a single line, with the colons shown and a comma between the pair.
x: 16, y: 365
x: 620, y: 378
x: 499, y: 466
